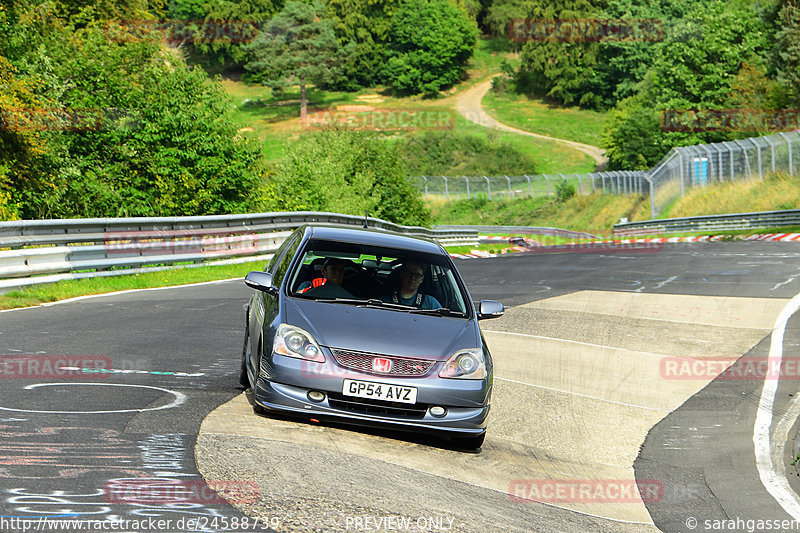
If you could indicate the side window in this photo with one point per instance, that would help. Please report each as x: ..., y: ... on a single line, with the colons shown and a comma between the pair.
x: 447, y: 288
x: 281, y: 253
x: 283, y: 263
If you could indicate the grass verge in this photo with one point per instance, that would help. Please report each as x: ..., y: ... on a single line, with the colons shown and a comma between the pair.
x: 491, y: 248
x: 550, y: 157
x: 595, y: 214
x: 62, y: 290
x: 777, y: 191
x: 539, y: 116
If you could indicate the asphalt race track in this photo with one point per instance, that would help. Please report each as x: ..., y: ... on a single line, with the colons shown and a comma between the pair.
x: 608, y: 412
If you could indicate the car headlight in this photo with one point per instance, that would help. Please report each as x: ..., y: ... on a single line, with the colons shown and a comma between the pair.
x: 296, y: 342
x: 465, y: 364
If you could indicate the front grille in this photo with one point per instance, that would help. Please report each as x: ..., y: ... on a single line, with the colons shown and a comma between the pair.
x: 377, y: 407
x: 401, y: 366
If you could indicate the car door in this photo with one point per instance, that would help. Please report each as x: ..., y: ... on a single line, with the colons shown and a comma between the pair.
x: 265, y: 305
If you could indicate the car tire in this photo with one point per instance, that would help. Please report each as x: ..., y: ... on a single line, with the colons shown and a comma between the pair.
x: 470, y: 443
x: 244, y: 379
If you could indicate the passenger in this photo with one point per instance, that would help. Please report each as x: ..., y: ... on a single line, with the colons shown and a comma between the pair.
x: 333, y: 272
x: 411, y: 276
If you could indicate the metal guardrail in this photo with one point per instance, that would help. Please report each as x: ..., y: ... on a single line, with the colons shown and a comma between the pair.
x: 739, y: 221
x: 45, y: 251
x: 524, y: 230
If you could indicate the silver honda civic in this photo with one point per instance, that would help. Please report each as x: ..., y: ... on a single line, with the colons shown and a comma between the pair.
x: 371, y: 328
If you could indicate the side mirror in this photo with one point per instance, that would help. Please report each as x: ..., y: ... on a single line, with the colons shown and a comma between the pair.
x: 490, y: 309
x: 261, y: 281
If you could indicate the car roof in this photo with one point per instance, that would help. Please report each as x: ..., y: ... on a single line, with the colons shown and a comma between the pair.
x: 371, y: 236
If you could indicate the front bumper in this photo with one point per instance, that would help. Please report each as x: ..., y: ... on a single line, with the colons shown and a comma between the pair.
x: 285, y: 382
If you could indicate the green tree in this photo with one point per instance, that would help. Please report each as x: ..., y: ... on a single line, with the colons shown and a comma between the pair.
x: 633, y: 135
x: 225, y: 49
x: 565, y: 71
x: 297, y: 46
x: 187, y: 9
x: 22, y: 149
x: 365, y: 23
x: 500, y: 14
x: 690, y: 72
x: 787, y: 49
x: 159, y: 138
x: 428, y: 46
x: 695, y: 71
x: 594, y: 73
x: 349, y: 172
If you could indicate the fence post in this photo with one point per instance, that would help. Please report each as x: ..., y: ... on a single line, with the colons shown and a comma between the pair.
x: 746, y: 159
x: 510, y: 194
x: 446, y: 190
x: 488, y: 187
x: 426, y: 186
x: 730, y: 156
x: 772, y: 152
x: 467, y: 180
x: 579, y: 185
x: 529, y: 185
x: 547, y: 183
x: 720, y: 163
x: 789, y: 142
x: 652, y: 201
x: 758, y: 150
x: 710, y: 156
x: 680, y: 166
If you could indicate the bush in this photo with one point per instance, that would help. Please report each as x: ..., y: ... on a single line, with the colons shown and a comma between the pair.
x: 451, y: 153
x: 348, y: 172
x: 564, y: 191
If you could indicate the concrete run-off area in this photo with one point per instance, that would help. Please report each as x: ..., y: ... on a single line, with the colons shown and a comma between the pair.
x: 579, y: 382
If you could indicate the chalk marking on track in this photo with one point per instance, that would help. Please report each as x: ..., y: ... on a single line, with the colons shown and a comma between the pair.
x: 180, y: 398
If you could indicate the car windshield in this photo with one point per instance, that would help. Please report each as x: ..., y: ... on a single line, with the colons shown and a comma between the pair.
x: 367, y: 275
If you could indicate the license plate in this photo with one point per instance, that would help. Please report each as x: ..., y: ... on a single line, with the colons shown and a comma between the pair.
x: 379, y: 391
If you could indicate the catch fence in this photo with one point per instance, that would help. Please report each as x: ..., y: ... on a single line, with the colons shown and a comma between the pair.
x: 681, y: 169
x: 497, y: 187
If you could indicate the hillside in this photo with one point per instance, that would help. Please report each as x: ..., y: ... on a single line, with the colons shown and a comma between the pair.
x: 598, y: 213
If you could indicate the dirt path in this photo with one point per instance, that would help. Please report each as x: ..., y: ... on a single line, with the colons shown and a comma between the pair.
x: 468, y: 104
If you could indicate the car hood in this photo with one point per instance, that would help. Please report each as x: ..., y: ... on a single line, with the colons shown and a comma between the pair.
x: 382, y: 331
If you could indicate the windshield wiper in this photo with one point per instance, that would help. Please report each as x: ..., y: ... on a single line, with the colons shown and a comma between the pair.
x: 362, y: 302
x: 374, y: 302
x: 442, y: 311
